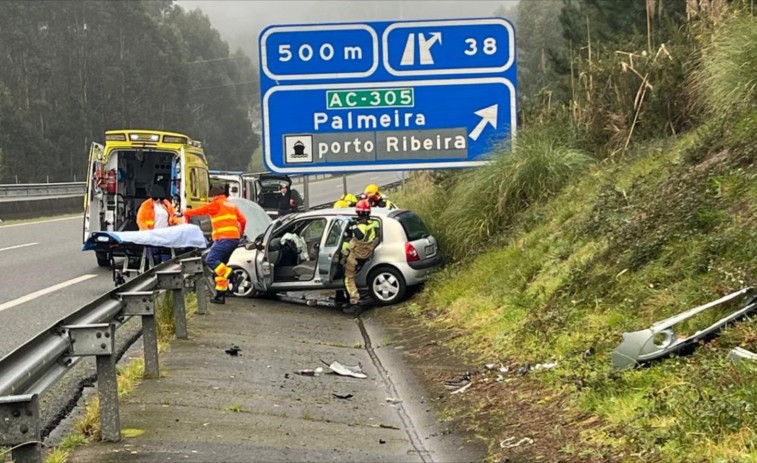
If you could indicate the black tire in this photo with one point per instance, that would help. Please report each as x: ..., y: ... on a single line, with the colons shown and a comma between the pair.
x: 387, y: 285
x: 102, y: 259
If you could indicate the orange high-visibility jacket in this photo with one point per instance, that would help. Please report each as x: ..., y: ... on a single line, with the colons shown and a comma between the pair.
x: 146, y: 214
x: 228, y: 222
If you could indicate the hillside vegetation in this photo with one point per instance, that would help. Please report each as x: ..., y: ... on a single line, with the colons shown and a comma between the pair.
x: 580, y: 235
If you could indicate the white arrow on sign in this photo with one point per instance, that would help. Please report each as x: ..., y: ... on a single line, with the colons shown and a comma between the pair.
x: 488, y: 115
x: 424, y: 46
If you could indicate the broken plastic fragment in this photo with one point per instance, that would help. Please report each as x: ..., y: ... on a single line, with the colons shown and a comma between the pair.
x: 509, y: 442
x: 545, y: 366
x: 739, y: 353
x: 342, y: 396
x: 462, y: 389
x: 356, y: 371
x: 661, y: 340
x: 393, y: 401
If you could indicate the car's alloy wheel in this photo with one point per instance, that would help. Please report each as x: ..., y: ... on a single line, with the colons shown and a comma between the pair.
x: 387, y: 286
x: 244, y: 286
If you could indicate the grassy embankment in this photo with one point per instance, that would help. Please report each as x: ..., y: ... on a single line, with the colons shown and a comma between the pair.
x: 554, y: 258
x: 129, y: 376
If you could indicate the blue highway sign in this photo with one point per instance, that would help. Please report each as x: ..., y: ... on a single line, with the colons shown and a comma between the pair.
x: 387, y: 95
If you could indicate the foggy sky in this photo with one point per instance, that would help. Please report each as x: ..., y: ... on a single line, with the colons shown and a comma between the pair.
x: 240, y: 22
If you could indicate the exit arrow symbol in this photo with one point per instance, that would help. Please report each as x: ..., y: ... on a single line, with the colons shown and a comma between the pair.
x: 424, y: 46
x: 488, y: 115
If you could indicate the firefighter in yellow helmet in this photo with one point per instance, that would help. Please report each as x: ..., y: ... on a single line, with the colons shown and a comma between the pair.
x: 375, y: 199
x: 348, y: 200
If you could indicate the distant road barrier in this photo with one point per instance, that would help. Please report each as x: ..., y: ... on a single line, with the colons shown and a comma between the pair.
x: 11, y: 190
x: 32, y: 369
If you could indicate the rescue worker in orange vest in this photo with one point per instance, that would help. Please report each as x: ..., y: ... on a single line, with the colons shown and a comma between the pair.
x: 228, y: 227
x: 156, y: 212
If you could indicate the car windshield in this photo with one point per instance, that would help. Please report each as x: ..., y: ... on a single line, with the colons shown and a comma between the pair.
x: 257, y: 218
x: 414, y: 227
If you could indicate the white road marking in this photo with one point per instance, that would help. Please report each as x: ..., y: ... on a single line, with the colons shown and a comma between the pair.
x: 39, y: 221
x: 16, y: 247
x: 42, y: 292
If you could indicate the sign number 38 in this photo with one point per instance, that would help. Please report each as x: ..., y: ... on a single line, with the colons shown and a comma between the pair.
x: 489, y: 48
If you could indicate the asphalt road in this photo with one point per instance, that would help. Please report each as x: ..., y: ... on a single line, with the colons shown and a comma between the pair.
x: 44, y: 275
x: 329, y: 190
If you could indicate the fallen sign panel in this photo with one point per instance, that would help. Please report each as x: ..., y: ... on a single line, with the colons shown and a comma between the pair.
x: 660, y: 340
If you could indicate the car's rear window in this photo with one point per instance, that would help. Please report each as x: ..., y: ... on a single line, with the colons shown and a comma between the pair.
x: 414, y: 227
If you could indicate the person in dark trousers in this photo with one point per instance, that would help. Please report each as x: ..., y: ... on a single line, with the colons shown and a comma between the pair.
x: 286, y: 203
x: 228, y: 227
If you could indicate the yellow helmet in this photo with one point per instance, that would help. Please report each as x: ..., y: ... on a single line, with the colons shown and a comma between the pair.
x: 371, y: 190
x: 341, y: 204
x: 350, y: 199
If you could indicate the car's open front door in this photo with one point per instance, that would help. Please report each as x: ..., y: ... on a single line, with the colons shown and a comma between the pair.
x: 329, y: 255
x: 93, y: 197
x: 263, y: 265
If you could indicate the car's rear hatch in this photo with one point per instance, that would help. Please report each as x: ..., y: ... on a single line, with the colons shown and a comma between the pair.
x: 421, y: 248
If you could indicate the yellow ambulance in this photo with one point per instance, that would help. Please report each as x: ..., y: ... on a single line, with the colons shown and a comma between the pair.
x: 134, y: 165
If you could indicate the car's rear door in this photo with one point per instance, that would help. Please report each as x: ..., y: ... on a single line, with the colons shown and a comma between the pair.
x: 92, y: 204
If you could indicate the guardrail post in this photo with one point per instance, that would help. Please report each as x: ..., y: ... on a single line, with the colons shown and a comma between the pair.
x: 99, y: 340
x: 306, y: 188
x: 174, y: 280
x: 142, y: 304
x: 193, y: 269
x: 20, y: 427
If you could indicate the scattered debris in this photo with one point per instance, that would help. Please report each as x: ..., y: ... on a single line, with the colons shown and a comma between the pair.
x: 490, y: 366
x: 309, y: 372
x: 342, y: 396
x: 382, y: 441
x: 356, y: 371
x: 311, y: 303
x: 286, y: 375
x: 738, y: 353
x: 509, y: 442
x: 389, y: 426
x: 233, y: 350
x: 461, y: 381
x: 545, y: 366
x: 660, y: 340
x: 393, y: 401
x: 462, y: 389
x: 524, y: 369
x: 504, y: 369
x: 589, y: 352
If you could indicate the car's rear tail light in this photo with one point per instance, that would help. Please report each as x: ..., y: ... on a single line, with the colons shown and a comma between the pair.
x: 411, y: 253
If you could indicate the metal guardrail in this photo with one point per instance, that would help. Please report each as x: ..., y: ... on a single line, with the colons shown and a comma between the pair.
x: 32, y: 369
x: 41, y: 189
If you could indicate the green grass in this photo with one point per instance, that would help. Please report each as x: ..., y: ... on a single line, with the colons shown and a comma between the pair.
x: 621, y: 246
x: 128, y: 377
x: 726, y: 80
x: 235, y: 408
x: 465, y: 212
